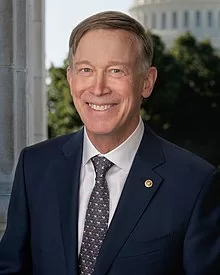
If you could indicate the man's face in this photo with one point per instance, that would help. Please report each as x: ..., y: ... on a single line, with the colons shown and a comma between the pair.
x: 107, y: 83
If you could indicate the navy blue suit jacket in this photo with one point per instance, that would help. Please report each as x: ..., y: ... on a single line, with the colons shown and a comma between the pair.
x: 170, y: 228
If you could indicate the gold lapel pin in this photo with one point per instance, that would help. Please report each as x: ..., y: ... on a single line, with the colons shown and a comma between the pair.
x: 148, y: 183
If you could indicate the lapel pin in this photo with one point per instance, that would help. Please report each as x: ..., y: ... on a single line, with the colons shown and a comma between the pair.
x: 148, y: 183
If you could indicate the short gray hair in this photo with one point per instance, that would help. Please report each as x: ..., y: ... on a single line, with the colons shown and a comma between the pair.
x: 113, y: 20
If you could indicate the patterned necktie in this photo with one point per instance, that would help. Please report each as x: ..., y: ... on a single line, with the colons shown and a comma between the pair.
x: 97, y: 215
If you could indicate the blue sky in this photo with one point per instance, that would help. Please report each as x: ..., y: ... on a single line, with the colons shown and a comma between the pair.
x: 63, y: 15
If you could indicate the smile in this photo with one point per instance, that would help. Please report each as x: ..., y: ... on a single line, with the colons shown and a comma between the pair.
x: 100, y: 107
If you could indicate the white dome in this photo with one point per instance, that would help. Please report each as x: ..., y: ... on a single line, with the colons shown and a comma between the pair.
x: 171, y: 18
x: 147, y: 2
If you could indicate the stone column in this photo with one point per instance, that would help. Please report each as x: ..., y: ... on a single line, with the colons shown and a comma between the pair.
x: 36, y: 64
x: 18, y: 92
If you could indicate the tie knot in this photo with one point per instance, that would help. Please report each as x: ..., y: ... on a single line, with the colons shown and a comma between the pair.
x: 101, y: 165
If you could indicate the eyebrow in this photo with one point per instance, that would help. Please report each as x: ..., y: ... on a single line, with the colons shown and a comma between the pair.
x: 113, y: 62
x: 77, y: 63
x: 118, y: 63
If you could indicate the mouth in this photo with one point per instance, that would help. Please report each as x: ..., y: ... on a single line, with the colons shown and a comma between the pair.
x: 101, y: 107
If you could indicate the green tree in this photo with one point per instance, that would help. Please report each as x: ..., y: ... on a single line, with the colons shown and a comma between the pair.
x: 191, y: 117
x: 62, y: 116
x: 158, y: 109
x: 198, y: 107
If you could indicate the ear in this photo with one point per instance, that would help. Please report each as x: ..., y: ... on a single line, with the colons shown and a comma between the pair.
x: 69, y: 74
x: 149, y: 82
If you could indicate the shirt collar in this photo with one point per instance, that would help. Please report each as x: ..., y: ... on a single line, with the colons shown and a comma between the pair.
x: 123, y: 155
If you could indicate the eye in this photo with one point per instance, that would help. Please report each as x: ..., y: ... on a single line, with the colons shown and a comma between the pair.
x: 85, y: 70
x: 116, y: 72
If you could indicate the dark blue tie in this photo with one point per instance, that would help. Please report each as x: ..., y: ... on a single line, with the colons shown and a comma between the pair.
x: 97, y: 215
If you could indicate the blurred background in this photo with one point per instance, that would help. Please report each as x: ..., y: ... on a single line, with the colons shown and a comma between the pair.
x: 35, y: 103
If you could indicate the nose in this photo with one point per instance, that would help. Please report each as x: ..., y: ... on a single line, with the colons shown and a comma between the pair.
x: 100, y: 81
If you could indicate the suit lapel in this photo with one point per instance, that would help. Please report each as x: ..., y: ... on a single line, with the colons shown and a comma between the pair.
x: 134, y: 199
x: 68, y: 199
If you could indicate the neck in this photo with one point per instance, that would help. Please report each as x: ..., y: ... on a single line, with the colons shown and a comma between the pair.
x: 105, y: 144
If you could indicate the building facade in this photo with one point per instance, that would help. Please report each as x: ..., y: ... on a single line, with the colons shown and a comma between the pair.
x: 22, y: 87
x: 171, y: 18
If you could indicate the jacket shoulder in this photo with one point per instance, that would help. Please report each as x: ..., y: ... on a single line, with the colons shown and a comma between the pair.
x: 54, y: 146
x: 181, y: 157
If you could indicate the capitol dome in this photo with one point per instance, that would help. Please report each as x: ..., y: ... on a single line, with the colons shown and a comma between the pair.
x: 171, y: 18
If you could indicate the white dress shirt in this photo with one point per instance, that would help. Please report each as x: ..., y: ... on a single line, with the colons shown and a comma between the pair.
x: 122, y: 157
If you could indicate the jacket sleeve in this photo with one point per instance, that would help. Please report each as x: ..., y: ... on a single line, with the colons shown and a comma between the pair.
x: 202, y: 241
x: 15, y: 255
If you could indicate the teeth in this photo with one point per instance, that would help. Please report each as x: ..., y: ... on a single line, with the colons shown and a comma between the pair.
x: 99, y: 107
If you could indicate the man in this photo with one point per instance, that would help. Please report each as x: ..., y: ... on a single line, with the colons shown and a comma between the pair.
x: 113, y: 198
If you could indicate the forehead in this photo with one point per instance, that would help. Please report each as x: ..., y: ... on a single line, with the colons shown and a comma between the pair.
x: 100, y: 41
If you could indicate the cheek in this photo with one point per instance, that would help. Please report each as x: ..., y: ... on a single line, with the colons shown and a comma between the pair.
x: 133, y: 99
x: 130, y: 93
x: 123, y: 87
x: 76, y: 87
